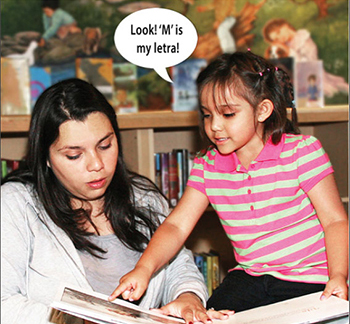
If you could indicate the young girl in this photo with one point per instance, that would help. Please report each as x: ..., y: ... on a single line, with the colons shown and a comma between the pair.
x: 272, y: 189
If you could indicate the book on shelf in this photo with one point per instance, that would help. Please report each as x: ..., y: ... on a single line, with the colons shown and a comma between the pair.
x: 172, y: 172
x: 164, y: 173
x: 95, y: 307
x: 97, y: 71
x: 208, y: 264
x: 64, y: 71
x: 40, y: 80
x: 173, y: 179
x: 125, y: 88
x: 215, y: 270
x: 309, y: 84
x: 15, y: 86
x: 153, y: 92
x: 8, y: 165
x: 184, y: 87
x: 157, y: 176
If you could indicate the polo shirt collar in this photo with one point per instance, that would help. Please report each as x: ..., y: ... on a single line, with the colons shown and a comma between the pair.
x: 230, y: 162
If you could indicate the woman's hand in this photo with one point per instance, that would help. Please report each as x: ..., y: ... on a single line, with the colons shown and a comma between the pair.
x: 132, y: 285
x: 189, y: 307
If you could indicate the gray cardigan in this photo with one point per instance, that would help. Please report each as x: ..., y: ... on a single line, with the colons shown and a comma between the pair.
x: 37, y: 257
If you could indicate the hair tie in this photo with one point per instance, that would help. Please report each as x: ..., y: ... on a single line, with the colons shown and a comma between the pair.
x: 248, y: 49
x: 276, y: 68
x: 261, y: 74
x: 268, y: 69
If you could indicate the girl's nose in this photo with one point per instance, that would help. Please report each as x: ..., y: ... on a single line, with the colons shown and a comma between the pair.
x: 216, y: 123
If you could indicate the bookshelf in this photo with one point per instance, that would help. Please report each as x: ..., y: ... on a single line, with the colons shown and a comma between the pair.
x: 145, y: 133
x: 170, y: 119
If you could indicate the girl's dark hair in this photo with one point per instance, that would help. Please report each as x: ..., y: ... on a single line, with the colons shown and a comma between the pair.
x: 254, y: 79
x: 75, y: 99
x: 52, y: 4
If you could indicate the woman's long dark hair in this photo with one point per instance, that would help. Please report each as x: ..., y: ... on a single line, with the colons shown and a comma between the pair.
x: 254, y: 79
x: 75, y: 99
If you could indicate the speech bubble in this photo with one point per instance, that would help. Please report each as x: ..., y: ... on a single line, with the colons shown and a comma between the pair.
x: 156, y: 38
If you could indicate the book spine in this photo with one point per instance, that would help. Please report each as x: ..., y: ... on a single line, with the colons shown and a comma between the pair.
x: 173, y: 179
x: 158, y: 177
x: 164, y: 173
x: 215, y: 269
x: 180, y: 172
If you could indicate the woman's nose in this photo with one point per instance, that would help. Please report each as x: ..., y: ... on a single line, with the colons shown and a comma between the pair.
x: 94, y: 162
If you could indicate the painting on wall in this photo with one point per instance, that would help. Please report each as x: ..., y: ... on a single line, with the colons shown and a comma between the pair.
x: 316, y: 30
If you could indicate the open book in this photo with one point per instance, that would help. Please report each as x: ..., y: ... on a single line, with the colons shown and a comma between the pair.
x: 96, y: 308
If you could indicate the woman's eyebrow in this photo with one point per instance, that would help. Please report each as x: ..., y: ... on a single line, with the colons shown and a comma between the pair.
x: 77, y: 147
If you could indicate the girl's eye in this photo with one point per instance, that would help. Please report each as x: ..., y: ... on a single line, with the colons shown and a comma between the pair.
x: 229, y: 115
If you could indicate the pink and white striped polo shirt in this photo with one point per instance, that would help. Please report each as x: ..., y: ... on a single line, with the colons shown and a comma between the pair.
x: 265, y: 210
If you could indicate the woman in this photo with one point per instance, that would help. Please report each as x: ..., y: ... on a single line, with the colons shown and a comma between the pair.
x: 76, y: 215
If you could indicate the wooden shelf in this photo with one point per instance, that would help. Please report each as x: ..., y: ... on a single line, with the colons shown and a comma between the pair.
x: 170, y: 119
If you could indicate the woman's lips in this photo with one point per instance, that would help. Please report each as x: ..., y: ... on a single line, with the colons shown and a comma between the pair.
x: 97, y: 184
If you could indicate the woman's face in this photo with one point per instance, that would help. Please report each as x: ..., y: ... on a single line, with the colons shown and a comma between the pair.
x: 84, y: 156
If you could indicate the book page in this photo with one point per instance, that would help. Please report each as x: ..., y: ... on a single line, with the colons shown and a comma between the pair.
x: 96, y: 307
x: 305, y: 309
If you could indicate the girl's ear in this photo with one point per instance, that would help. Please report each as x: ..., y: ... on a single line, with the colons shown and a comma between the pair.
x: 265, y: 110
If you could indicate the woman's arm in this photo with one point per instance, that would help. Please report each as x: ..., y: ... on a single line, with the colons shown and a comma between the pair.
x: 326, y: 200
x: 165, y: 243
x: 16, y: 305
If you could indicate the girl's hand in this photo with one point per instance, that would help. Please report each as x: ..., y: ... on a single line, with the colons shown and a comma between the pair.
x: 336, y: 286
x: 189, y: 307
x: 133, y: 285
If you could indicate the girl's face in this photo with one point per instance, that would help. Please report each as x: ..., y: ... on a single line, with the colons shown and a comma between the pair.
x: 84, y: 156
x: 230, y: 123
x: 282, y: 34
x: 48, y: 11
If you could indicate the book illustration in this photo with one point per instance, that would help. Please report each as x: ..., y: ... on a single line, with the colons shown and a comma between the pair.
x: 98, y: 72
x: 125, y: 88
x: 185, y: 94
x: 309, y: 84
x: 154, y: 93
x: 15, y: 86
x: 94, y: 306
x: 40, y: 80
x: 62, y: 72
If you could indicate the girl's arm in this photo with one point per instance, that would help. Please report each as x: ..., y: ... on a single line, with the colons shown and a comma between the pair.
x: 326, y: 200
x: 165, y: 243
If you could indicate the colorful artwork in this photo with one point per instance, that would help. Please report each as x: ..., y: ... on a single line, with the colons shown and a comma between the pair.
x: 223, y: 26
